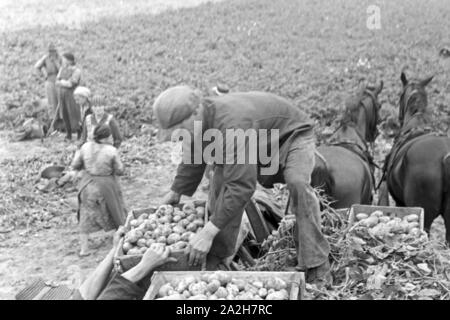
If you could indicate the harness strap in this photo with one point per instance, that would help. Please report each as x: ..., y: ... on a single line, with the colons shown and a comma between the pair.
x: 401, y: 142
x: 321, y: 157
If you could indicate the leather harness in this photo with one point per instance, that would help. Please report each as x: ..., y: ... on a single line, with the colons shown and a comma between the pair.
x: 362, y: 151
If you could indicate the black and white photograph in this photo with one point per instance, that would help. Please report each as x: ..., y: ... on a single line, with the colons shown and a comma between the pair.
x: 233, y: 150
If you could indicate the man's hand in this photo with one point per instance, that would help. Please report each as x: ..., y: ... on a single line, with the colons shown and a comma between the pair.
x: 65, y: 83
x: 201, y: 243
x: 118, y: 235
x: 171, y: 197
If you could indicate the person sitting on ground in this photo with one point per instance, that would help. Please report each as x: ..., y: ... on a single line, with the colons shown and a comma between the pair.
x: 31, y: 129
x: 100, y: 202
x: 100, y: 117
x: 106, y: 284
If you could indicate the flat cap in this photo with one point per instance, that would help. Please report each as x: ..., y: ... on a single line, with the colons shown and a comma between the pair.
x: 174, y: 105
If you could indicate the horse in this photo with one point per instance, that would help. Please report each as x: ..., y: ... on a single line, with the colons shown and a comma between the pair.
x: 417, y: 170
x: 344, y: 166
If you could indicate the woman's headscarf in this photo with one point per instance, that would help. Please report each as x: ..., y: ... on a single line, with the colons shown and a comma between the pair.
x: 83, y: 91
x: 101, y: 132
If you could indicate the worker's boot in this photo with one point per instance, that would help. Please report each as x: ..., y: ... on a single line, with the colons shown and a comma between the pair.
x: 321, y: 275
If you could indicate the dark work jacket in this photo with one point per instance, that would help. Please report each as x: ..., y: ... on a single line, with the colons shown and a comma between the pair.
x: 249, y: 110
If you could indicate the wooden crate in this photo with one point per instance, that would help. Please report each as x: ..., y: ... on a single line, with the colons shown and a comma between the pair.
x: 125, y: 262
x: 388, y: 211
x: 295, y: 280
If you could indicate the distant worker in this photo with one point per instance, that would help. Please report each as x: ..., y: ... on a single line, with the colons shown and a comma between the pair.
x: 99, y: 117
x: 82, y: 97
x: 67, y: 80
x: 48, y: 66
x: 100, y: 201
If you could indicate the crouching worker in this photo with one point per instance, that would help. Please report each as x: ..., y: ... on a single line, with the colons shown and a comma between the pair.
x: 106, y: 284
x: 100, y: 202
x: 280, y: 131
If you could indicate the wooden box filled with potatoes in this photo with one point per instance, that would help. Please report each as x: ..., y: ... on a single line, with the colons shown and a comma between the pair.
x: 386, y: 222
x: 173, y: 226
x: 226, y: 285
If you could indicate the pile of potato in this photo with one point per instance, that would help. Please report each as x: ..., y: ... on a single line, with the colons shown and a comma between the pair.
x: 168, y: 225
x: 220, y: 285
x: 381, y: 226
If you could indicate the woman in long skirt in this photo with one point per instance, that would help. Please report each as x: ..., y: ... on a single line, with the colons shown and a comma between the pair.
x: 67, y: 80
x: 100, y: 202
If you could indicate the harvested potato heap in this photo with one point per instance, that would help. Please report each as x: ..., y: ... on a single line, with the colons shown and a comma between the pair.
x: 367, y: 266
x: 221, y: 286
x: 383, y: 227
x: 168, y: 225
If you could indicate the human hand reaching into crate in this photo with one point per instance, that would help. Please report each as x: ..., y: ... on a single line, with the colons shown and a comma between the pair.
x: 157, y: 255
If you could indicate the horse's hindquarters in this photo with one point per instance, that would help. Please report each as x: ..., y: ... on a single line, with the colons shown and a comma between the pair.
x: 421, y: 175
x: 350, y: 176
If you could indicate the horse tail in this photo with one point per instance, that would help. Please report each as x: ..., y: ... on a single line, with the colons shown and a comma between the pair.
x: 446, y: 185
x: 321, y: 176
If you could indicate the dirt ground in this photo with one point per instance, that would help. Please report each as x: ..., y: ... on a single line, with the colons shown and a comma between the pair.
x: 312, y: 52
x: 51, y: 251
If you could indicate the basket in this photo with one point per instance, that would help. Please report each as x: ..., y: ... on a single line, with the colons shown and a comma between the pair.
x: 41, y: 290
x: 124, y: 262
x: 399, y: 212
x: 295, y: 280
